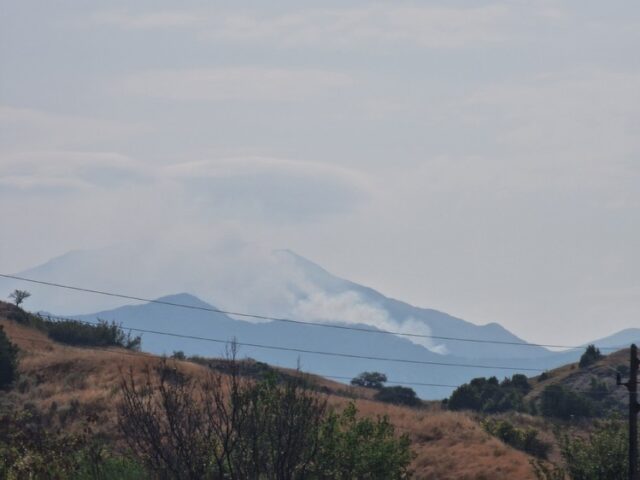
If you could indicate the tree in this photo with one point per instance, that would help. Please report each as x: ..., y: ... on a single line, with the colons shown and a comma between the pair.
x: 370, y: 380
x: 560, y: 402
x: 19, y: 296
x: 226, y: 426
x: 398, y: 395
x: 8, y: 361
x: 590, y: 356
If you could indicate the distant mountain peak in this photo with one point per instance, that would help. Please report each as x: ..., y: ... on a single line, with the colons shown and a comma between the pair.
x: 185, y: 299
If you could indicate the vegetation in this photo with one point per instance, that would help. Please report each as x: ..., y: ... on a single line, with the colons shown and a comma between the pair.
x: 76, y: 332
x: 398, y: 395
x: 525, y: 439
x: 488, y: 395
x: 8, y: 361
x: 31, y: 448
x: 603, y: 454
x: 19, y: 296
x: 561, y: 402
x: 229, y: 427
x: 590, y: 356
x: 102, y: 334
x: 370, y: 380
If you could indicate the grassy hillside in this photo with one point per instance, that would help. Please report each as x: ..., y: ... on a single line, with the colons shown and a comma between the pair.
x: 78, y: 384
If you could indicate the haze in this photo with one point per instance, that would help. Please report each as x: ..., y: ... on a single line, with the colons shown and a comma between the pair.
x: 480, y: 158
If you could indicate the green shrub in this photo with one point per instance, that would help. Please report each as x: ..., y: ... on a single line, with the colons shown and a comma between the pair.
x: 522, y: 439
x: 361, y: 448
x: 490, y: 396
x: 237, y: 427
x: 560, y: 402
x: 8, y: 361
x: 102, y: 334
x: 398, y: 395
x: 602, y: 455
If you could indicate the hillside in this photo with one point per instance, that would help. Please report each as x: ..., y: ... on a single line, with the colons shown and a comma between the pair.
x: 76, y: 383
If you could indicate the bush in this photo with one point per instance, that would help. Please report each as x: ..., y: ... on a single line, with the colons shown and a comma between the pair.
x: 522, y: 439
x: 370, y: 380
x: 590, y: 356
x: 8, y: 361
x: 235, y: 427
x: 398, y: 395
x: 490, y: 396
x: 31, y: 448
x: 361, y: 448
x: 102, y: 334
x: 603, y: 455
x: 560, y: 402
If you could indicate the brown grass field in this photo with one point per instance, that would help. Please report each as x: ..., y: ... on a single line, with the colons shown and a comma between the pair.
x: 85, y: 382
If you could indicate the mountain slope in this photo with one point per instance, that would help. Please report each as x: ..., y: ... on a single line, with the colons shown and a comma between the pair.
x: 73, y: 384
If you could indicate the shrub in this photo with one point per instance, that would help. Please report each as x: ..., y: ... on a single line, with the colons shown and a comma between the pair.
x: 602, y: 455
x: 361, y: 448
x: 490, y: 396
x: 560, y: 402
x: 370, y: 380
x: 590, y: 356
x: 235, y: 427
x: 102, y: 334
x: 8, y: 361
x: 522, y: 439
x: 398, y: 395
x: 31, y: 448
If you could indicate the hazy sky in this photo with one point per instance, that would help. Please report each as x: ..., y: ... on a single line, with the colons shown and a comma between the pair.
x: 476, y: 157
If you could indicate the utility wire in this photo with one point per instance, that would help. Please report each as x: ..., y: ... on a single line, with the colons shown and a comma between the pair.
x: 313, y: 352
x: 290, y: 320
x: 123, y: 351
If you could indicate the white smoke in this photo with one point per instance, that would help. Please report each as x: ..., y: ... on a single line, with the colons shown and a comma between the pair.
x: 348, y: 307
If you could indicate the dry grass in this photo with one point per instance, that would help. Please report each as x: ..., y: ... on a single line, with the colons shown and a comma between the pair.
x: 78, y: 383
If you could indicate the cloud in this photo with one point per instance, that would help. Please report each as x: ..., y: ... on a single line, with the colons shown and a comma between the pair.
x: 37, y: 129
x: 234, y: 83
x: 417, y: 25
x: 270, y: 189
x: 65, y: 171
x: 146, y: 21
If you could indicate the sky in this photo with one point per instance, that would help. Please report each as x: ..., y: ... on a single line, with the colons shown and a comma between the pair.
x: 480, y: 158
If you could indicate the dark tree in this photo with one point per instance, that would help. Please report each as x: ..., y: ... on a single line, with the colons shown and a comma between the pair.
x: 590, y: 356
x: 398, y: 395
x: 8, y: 361
x: 370, y: 380
x: 19, y: 296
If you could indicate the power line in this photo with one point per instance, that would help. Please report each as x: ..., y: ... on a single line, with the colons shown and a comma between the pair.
x: 315, y: 352
x: 120, y: 350
x: 290, y: 320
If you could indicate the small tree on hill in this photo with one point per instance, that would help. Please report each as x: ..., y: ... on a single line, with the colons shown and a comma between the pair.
x: 19, y: 296
x: 398, y: 395
x: 590, y: 356
x: 370, y: 380
x: 8, y: 361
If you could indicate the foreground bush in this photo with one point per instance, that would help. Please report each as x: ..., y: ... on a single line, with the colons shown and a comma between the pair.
x: 603, y: 455
x: 230, y: 427
x: 32, y: 448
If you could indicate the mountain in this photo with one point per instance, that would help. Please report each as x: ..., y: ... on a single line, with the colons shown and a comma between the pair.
x: 223, y: 329
x: 243, y: 278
